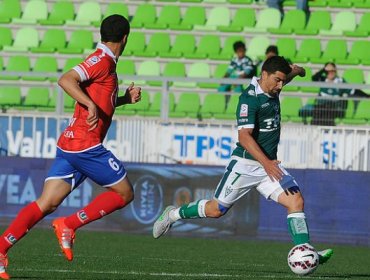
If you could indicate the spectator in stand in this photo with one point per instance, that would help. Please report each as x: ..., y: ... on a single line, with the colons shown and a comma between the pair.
x: 271, y: 50
x: 301, y: 5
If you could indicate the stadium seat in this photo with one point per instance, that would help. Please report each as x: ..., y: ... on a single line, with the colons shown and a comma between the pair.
x: 9, y: 9
x: 88, y: 13
x: 287, y: 47
x: 341, y: 3
x: 54, y: 39
x: 6, y: 37
x: 215, y: 1
x: 60, y: 13
x: 184, y: 44
x: 363, y: 28
x: 116, y: 8
x: 230, y: 109
x: 138, y: 108
x: 1, y: 63
x: 247, y: 2
x: 227, y: 51
x: 335, y: 49
x: 191, y: 1
x: 361, y: 115
x: 290, y: 109
x: 267, y: 18
x: 9, y: 96
x: 344, y: 21
x: 362, y: 5
x: 34, y: 10
x: 17, y: 64
x: 212, y: 104
x: 174, y: 69
x: 187, y: 106
x: 135, y: 44
x: 218, y: 16
x: 125, y: 67
x: 209, y: 45
x: 219, y: 73
x: 44, y: 65
x: 169, y: 15
x: 156, y: 105
x: 26, y: 37
x: 309, y: 48
x: 79, y: 41
x: 194, y: 15
x: 196, y: 70
x: 257, y: 47
x: 70, y: 63
x: 145, y: 14
x: 293, y: 19
x: 307, y: 78
x: 149, y: 68
x: 244, y: 17
x: 319, y: 20
x: 36, y: 97
x: 159, y: 43
x: 355, y: 76
x: 359, y: 52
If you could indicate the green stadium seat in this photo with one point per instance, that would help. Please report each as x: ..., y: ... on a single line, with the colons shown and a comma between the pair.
x: 215, y: 1
x: 293, y: 19
x: 363, y: 28
x: 6, y: 37
x: 287, y: 47
x: 54, y: 39
x: 309, y: 48
x: 159, y: 43
x: 363, y: 5
x: 244, y: 17
x: 70, y: 63
x: 354, y: 76
x: 218, y: 16
x: 220, y: 71
x: 307, y: 78
x: 184, y: 44
x: 36, y: 97
x: 89, y: 12
x: 209, y: 46
x: 166, y: 0
x: 361, y: 115
x: 368, y: 83
x: 138, y: 108
x: 125, y: 67
x: 359, y: 52
x: 227, y: 51
x: 194, y: 15
x: 44, y: 65
x: 69, y: 102
x: 319, y: 20
x: 9, y: 96
x: 26, y: 37
x: 213, y: 104
x: 61, y: 12
x: 145, y: 14
x: 196, y: 70
x: 247, y: 2
x: 116, y: 8
x: 230, y: 109
x: 169, y: 15
x: 174, y: 69
x: 267, y: 18
x: 290, y: 109
x: 9, y: 9
x: 155, y: 107
x: 335, y: 49
x: 191, y: 1
x: 149, y: 68
x: 187, y: 106
x: 344, y: 21
x: 135, y: 44
x: 257, y: 47
x: 1, y: 63
x: 34, y: 10
x: 17, y: 64
x: 340, y: 3
x: 79, y: 41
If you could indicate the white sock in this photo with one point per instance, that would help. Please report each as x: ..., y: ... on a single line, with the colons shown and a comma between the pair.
x: 175, y: 215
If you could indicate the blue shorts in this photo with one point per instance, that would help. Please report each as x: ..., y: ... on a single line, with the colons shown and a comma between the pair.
x: 98, y: 164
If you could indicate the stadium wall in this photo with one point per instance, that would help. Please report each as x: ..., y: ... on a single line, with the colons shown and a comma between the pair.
x: 337, y: 202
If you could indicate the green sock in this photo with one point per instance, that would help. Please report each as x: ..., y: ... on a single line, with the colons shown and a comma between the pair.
x: 193, y: 210
x: 298, y: 228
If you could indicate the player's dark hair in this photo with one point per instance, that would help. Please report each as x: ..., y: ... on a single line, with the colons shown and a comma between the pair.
x: 272, y: 49
x: 113, y: 28
x: 239, y: 45
x: 276, y: 63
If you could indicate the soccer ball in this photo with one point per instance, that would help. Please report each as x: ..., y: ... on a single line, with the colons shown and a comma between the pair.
x: 303, y: 259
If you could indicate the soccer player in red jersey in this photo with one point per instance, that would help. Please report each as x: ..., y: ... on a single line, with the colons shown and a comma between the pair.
x: 80, y: 153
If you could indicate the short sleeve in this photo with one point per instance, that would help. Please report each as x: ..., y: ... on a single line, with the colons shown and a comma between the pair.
x: 92, y: 68
x: 246, y: 111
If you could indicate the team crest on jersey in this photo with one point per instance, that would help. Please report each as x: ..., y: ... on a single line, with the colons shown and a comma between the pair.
x: 251, y: 92
x: 244, y: 110
x: 92, y: 60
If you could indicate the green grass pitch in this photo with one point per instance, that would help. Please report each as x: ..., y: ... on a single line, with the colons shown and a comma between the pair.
x: 102, y: 255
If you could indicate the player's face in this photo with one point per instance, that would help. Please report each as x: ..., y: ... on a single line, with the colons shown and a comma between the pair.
x: 273, y: 83
x: 240, y: 53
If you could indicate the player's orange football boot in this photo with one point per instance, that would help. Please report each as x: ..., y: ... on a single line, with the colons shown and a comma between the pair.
x: 65, y: 237
x: 3, y: 265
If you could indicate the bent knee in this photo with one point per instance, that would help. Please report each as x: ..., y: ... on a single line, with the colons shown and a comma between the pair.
x: 216, y: 210
x: 127, y: 196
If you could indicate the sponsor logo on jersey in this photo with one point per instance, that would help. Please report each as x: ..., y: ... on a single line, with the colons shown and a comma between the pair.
x: 265, y: 105
x: 10, y: 238
x: 251, y: 92
x: 148, y: 199
x: 244, y: 110
x: 92, y: 60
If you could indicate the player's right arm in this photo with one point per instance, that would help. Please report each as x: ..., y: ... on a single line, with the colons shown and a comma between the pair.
x: 70, y: 82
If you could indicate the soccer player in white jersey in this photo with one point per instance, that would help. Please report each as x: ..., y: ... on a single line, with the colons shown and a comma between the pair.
x: 254, y: 163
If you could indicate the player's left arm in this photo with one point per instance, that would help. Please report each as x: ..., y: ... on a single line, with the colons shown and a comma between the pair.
x: 296, y: 71
x: 132, y: 95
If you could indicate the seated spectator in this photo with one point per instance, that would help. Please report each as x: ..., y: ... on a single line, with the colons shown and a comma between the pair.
x: 241, y: 66
x: 271, y: 50
x: 300, y: 4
